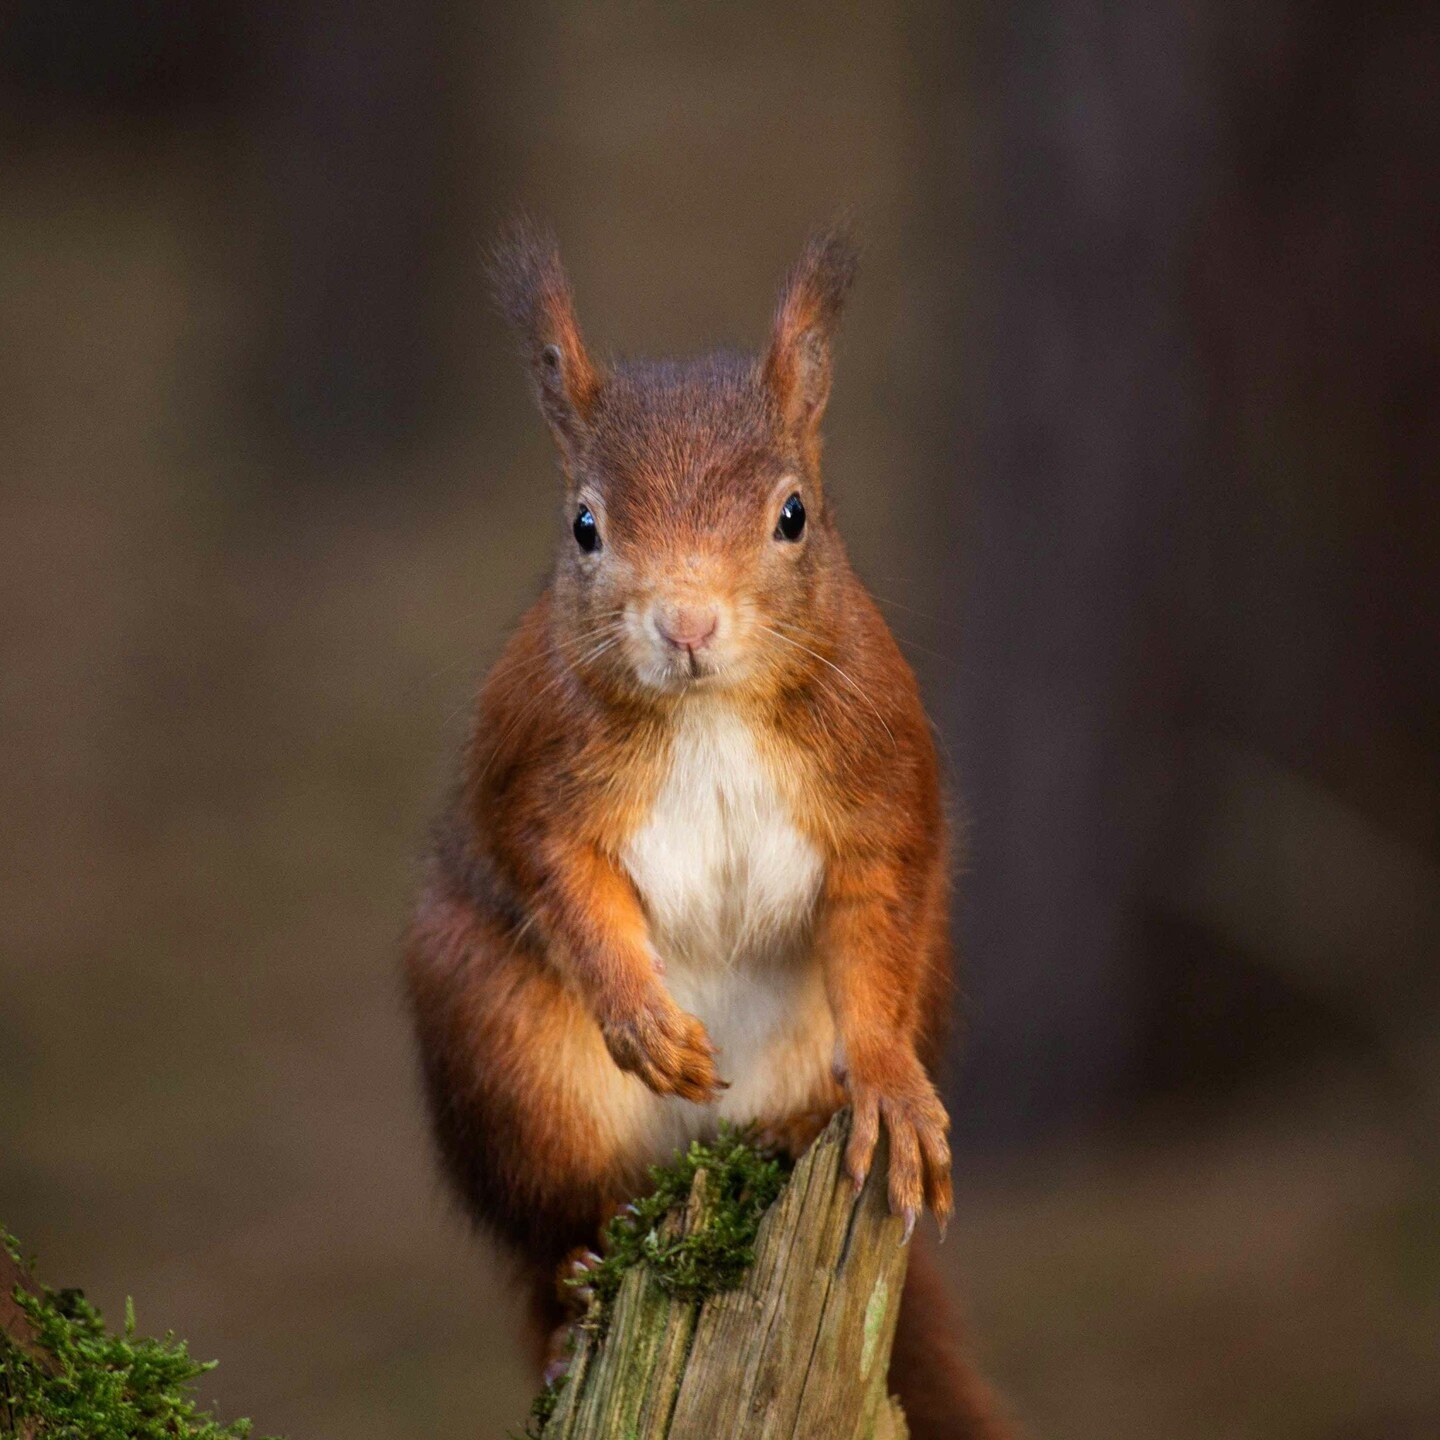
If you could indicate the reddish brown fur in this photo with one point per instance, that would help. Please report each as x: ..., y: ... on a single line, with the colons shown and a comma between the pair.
x: 529, y: 963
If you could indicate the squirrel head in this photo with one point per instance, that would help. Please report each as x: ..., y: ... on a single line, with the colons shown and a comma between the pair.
x: 696, y: 546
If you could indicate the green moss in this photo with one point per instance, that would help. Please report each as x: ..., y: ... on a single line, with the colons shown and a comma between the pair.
x: 542, y: 1407
x: 742, y: 1182
x: 105, y: 1387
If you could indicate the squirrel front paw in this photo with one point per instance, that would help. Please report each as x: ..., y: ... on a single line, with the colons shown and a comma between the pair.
x: 665, y: 1047
x: 917, y: 1126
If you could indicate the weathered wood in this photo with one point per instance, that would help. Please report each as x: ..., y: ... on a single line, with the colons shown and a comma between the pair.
x: 799, y: 1352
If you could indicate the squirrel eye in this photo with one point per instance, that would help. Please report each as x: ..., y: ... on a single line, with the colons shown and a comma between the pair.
x: 792, y: 519
x: 587, y: 532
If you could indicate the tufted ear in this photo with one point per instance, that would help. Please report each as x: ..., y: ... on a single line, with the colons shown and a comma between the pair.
x: 796, y: 367
x: 534, y: 295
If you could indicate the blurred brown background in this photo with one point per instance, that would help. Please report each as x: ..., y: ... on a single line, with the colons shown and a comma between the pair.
x: 1135, y: 432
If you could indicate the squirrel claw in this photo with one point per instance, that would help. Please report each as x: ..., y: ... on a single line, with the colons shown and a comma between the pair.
x: 580, y: 1270
x: 576, y: 1277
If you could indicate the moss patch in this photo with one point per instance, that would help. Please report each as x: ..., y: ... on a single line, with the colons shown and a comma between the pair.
x: 742, y: 1182
x: 104, y: 1386
x: 542, y: 1407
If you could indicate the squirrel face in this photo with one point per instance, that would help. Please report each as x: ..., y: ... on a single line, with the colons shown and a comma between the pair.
x: 695, y: 535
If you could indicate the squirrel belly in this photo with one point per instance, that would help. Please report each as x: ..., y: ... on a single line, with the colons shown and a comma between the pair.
x: 729, y: 884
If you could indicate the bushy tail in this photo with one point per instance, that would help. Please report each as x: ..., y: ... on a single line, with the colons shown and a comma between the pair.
x: 943, y: 1395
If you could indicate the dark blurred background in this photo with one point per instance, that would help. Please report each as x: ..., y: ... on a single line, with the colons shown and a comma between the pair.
x: 1135, y: 434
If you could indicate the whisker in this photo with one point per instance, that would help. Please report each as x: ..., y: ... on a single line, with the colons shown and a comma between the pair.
x: 530, y: 671
x: 939, y: 735
x: 911, y: 610
x: 424, y: 681
x: 612, y: 637
x: 858, y: 689
x: 900, y: 639
x: 536, y: 666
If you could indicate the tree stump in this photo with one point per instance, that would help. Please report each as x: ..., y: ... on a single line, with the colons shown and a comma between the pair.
x: 800, y: 1351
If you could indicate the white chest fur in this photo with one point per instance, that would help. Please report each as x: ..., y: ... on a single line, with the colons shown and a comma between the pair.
x: 726, y: 877
x: 729, y: 885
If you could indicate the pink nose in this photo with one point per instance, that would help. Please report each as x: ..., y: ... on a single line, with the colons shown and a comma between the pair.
x: 687, y: 627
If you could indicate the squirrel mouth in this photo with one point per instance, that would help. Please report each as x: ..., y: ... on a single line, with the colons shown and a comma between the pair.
x: 679, y: 668
x: 689, y: 670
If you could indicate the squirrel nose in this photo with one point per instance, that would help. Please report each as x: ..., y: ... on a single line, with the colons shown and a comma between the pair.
x: 687, y: 627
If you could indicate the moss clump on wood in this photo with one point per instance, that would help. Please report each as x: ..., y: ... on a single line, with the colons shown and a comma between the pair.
x: 742, y: 1182
x: 794, y: 1342
x: 542, y: 1407
x: 74, y: 1380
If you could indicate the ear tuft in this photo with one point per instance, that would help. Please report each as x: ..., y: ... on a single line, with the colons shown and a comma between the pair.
x: 797, y: 365
x: 533, y: 293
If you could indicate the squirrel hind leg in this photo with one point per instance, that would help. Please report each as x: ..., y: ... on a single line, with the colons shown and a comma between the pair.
x: 572, y: 1281
x: 559, y: 1301
x: 559, y: 1352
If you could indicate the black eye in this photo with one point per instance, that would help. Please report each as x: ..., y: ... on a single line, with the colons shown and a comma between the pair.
x: 792, y: 519
x: 587, y: 532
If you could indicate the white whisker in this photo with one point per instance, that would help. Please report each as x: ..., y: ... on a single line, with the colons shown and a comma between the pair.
x: 859, y: 690
x: 608, y: 635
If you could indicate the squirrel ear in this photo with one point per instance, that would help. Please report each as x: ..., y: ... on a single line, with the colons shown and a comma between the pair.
x: 534, y: 296
x: 796, y: 367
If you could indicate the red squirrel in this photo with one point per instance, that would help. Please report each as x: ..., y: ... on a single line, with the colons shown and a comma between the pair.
x: 696, y: 866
